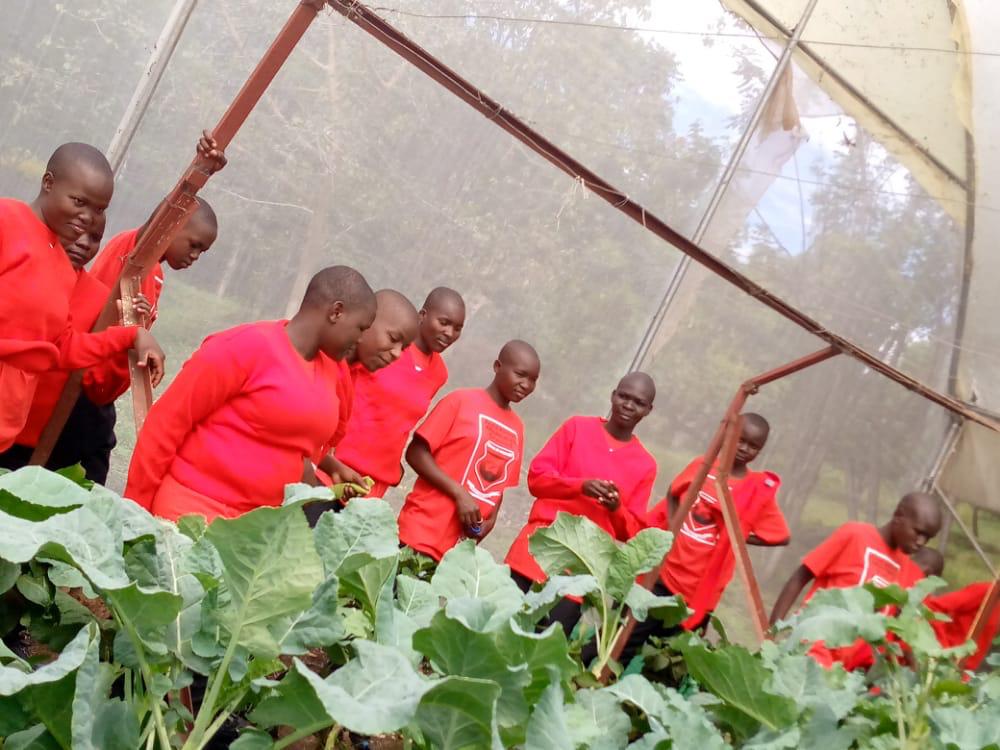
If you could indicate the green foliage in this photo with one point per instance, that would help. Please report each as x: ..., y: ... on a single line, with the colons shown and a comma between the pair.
x: 455, y: 661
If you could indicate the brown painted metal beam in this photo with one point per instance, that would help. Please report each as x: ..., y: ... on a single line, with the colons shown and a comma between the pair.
x: 175, y: 210
x: 369, y: 21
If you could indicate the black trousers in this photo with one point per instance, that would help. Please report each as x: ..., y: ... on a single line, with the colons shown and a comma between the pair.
x: 87, y: 439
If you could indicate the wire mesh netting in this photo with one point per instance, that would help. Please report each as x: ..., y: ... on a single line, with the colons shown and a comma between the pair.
x: 355, y: 157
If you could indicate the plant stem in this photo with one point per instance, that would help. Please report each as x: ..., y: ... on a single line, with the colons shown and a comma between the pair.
x: 204, y: 717
x: 304, y: 732
x: 216, y: 725
x: 331, y: 737
x: 147, y: 676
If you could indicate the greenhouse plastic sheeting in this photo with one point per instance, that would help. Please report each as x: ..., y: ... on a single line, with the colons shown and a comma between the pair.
x: 355, y: 157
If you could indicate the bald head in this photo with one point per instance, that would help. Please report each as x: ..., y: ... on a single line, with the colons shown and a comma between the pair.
x: 204, y: 212
x: 338, y: 284
x: 442, y: 297
x: 640, y: 382
x: 916, y: 520
x: 76, y: 189
x: 518, y: 351
x: 929, y: 560
x: 442, y: 319
x: 631, y: 401
x: 395, y: 327
x: 71, y: 156
x: 515, y: 373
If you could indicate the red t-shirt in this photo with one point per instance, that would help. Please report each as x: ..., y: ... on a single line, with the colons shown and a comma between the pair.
x: 477, y: 444
x: 853, y: 555
x: 107, y: 381
x: 89, y: 297
x: 388, y: 403
x: 238, y: 421
x: 856, y: 554
x: 36, y: 332
x: 962, y: 606
x: 582, y: 449
x: 701, y: 561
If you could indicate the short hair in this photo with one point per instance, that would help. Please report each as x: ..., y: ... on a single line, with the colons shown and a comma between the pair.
x: 205, y: 211
x: 517, y: 346
x: 441, y: 294
x: 757, y: 420
x: 642, y: 378
x: 338, y: 283
x: 70, y: 155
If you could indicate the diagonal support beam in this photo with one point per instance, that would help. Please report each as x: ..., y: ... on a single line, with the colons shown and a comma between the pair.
x: 175, y: 210
x: 370, y: 22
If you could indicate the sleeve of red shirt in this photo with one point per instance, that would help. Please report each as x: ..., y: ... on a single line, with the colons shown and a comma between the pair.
x: 683, y: 480
x: 214, y: 374
x: 828, y: 551
x: 438, y: 424
x: 77, y: 349
x: 546, y: 475
x: 770, y: 525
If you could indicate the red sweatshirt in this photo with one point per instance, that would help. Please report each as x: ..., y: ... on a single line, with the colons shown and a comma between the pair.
x: 582, y: 449
x: 237, y: 422
x: 388, y: 403
x: 701, y: 561
x: 962, y: 606
x: 477, y: 444
x: 36, y: 334
x: 89, y: 296
x: 105, y: 382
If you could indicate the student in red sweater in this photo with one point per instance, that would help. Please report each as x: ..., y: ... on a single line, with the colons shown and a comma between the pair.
x: 389, y: 402
x: 87, y: 301
x: 88, y: 436
x: 961, y: 606
x: 466, y: 453
x: 859, y: 553
x: 250, y: 406
x: 591, y: 467
x: 37, y: 279
x: 701, y: 561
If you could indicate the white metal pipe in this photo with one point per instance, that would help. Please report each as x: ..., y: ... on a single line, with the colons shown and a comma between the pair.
x: 159, y: 58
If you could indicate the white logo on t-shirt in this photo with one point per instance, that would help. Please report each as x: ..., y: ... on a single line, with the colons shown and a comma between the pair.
x: 490, y: 461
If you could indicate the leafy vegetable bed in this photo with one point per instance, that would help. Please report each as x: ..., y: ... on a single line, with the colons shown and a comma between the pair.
x: 126, y: 613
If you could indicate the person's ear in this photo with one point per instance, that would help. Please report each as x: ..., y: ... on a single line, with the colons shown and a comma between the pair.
x: 335, y: 312
x: 422, y: 314
x: 496, y: 366
x: 48, y: 180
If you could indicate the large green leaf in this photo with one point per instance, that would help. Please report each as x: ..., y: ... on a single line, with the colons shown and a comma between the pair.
x: 574, y: 545
x: 376, y: 692
x: 545, y: 654
x: 556, y: 588
x: 79, y: 538
x: 126, y: 519
x: 9, y: 573
x: 803, y: 680
x: 686, y: 723
x: 738, y: 678
x: 35, y: 493
x: 468, y: 571
x: 361, y: 532
x: 959, y: 728
x: 642, y: 552
x: 547, y: 728
x: 51, y: 703
x: 35, y: 738
x: 459, y: 713
x: 318, y: 626
x: 13, y: 680
x: 416, y: 599
x: 270, y: 568
x: 147, y: 613
x: 597, y: 722
x: 100, y: 723
x: 455, y: 649
x: 838, y: 617
x: 670, y: 609
x: 291, y: 702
